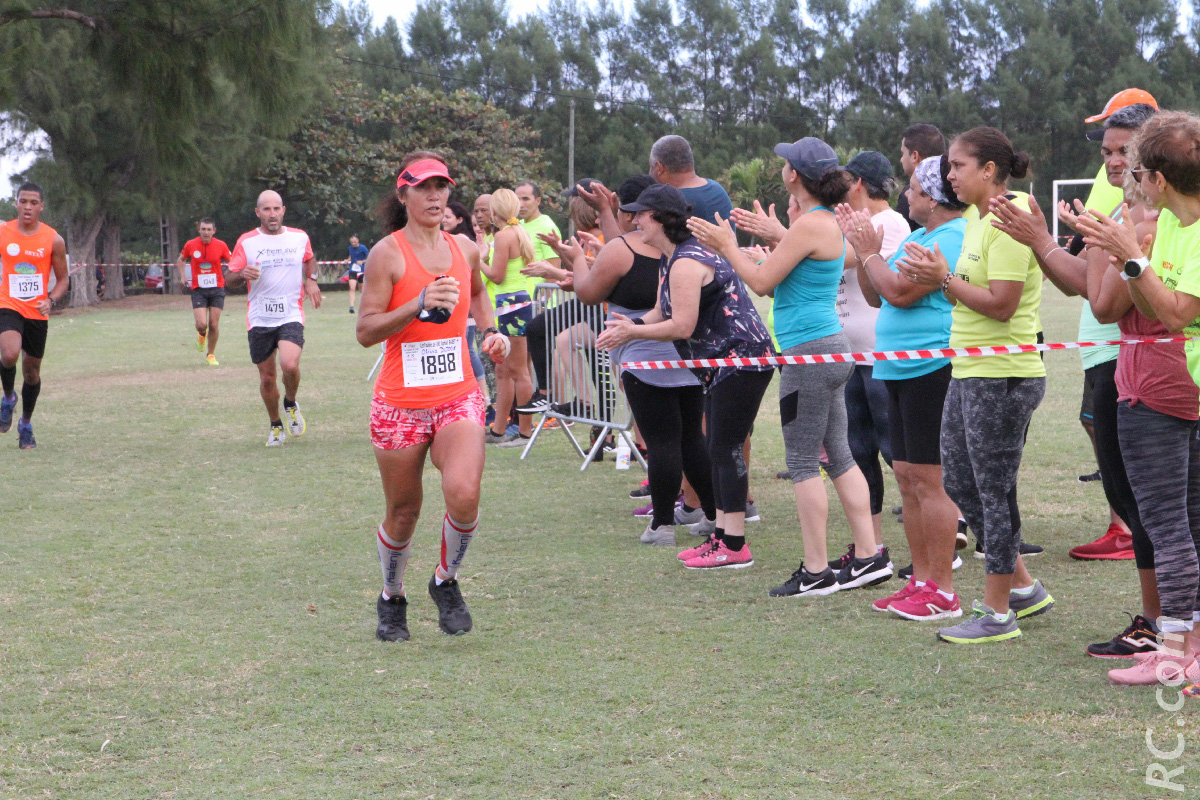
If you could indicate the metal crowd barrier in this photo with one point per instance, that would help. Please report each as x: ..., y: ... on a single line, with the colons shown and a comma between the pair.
x: 580, y: 374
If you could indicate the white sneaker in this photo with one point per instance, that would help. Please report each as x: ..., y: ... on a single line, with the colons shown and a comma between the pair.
x: 956, y: 563
x: 296, y: 426
x: 276, y: 437
x: 752, y: 512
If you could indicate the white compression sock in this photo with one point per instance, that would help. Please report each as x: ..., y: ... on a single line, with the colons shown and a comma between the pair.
x: 393, y: 557
x: 456, y: 537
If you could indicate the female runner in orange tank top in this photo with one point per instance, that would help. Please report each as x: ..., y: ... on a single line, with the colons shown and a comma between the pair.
x: 426, y: 398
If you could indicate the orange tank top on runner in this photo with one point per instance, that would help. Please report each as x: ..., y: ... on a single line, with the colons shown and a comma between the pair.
x: 427, y: 364
x: 25, y: 268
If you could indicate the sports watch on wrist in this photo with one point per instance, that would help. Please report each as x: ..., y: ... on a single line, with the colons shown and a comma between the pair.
x: 1134, y: 268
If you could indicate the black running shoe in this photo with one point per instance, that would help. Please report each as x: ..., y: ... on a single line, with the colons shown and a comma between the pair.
x: 804, y: 583
x: 393, y: 619
x: 1095, y: 476
x: 1026, y: 549
x: 640, y: 492
x: 453, y: 617
x: 866, y: 571
x: 904, y: 573
x: 839, y: 564
x: 536, y: 405
x: 1140, y: 637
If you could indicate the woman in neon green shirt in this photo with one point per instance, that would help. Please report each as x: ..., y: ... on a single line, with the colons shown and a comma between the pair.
x: 512, y: 250
x: 1162, y: 456
x: 996, y: 287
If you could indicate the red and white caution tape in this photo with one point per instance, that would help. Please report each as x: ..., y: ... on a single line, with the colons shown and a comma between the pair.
x: 887, y: 355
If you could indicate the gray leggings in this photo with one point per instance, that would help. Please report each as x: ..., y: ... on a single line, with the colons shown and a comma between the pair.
x: 983, y: 435
x: 1162, y: 460
x: 812, y: 409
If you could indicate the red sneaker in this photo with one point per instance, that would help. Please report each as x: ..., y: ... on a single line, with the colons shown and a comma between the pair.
x: 1115, y: 544
x: 700, y: 549
x: 908, y: 590
x: 721, y: 557
x: 927, y: 605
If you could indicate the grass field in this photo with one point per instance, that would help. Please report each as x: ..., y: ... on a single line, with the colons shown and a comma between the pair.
x: 187, y: 614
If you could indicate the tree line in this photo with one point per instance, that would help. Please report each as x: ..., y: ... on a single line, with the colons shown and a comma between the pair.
x: 173, y: 109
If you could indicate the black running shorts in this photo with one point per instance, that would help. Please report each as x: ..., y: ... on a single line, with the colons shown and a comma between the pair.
x: 264, y: 341
x: 208, y: 298
x: 33, y: 331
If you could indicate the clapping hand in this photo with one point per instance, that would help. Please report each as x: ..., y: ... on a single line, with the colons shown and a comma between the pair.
x: 763, y: 224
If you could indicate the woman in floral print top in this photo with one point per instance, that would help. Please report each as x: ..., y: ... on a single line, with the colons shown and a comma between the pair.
x: 704, y: 308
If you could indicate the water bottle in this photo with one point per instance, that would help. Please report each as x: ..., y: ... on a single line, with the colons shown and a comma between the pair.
x: 623, y: 454
x: 434, y: 315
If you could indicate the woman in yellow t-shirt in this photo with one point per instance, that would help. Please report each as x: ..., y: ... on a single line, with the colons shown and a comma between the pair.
x: 996, y: 287
x: 512, y: 250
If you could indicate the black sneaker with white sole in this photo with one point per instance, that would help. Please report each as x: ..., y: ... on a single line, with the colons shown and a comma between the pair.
x: 640, y: 492
x: 904, y: 573
x: 453, y: 617
x: 865, y: 571
x: 393, y: 619
x: 1026, y: 549
x: 960, y: 536
x: 536, y: 405
x: 1140, y: 637
x: 838, y: 564
x: 803, y: 583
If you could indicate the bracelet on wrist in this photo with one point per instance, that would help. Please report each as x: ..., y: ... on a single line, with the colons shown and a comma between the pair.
x: 1046, y: 253
x: 488, y: 332
x: 946, y: 281
x: 639, y: 321
x: 876, y: 255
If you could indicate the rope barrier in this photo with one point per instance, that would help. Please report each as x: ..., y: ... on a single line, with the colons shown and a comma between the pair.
x: 889, y: 355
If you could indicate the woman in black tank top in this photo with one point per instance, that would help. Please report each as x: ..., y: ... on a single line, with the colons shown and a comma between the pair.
x: 668, y: 405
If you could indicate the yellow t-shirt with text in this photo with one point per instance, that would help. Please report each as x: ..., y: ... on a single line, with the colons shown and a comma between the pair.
x: 988, y: 255
x: 1176, y: 259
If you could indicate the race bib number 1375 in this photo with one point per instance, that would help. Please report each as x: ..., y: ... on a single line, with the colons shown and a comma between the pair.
x: 24, y: 287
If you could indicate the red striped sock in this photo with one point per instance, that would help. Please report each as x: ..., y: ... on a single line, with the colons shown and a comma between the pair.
x: 456, y: 537
x: 393, y: 557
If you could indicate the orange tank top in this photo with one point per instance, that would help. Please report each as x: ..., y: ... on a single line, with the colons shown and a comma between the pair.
x: 25, y: 268
x: 425, y: 364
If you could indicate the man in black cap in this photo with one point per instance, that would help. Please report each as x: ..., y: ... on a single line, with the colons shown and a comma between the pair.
x: 871, y: 189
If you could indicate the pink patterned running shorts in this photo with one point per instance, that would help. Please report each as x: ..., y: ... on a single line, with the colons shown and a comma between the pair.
x: 395, y: 428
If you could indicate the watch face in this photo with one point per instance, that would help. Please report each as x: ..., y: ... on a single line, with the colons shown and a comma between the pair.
x: 1133, y: 269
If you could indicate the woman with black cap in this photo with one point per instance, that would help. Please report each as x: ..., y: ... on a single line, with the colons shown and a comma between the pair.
x: 704, y: 308
x: 668, y: 404
x: 804, y: 272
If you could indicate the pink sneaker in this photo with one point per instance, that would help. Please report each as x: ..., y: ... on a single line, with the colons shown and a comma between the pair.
x: 1159, y: 668
x: 699, y: 549
x: 908, y: 590
x: 926, y: 605
x: 720, y: 557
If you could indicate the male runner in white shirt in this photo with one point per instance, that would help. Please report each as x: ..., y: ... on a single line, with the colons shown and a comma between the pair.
x: 279, y: 267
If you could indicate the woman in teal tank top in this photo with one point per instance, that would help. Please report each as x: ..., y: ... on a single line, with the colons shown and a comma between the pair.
x: 803, y: 272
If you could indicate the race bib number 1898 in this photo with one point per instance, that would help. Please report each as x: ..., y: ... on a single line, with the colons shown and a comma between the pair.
x: 432, y: 363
